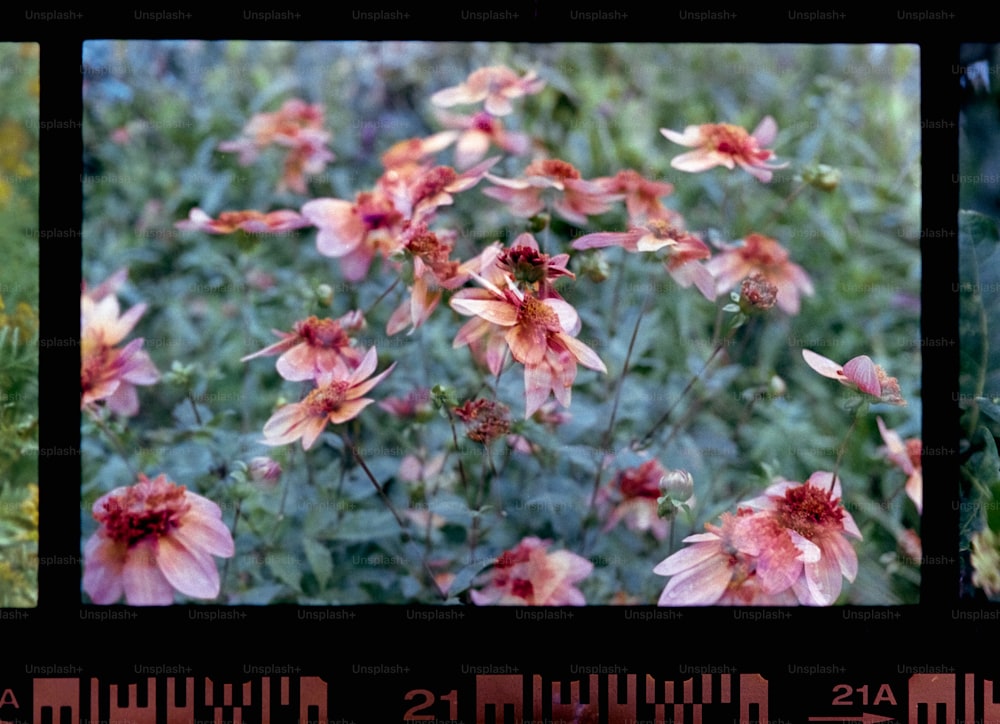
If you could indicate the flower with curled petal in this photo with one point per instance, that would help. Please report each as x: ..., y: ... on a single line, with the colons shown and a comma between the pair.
x: 476, y: 133
x: 336, y: 399
x: 155, y: 537
x: 723, y: 144
x: 906, y: 456
x: 859, y: 373
x: 316, y: 346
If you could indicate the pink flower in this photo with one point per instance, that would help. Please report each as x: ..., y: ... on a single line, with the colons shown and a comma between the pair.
x: 812, y: 512
x: 355, y: 232
x: 478, y: 133
x: 722, y: 144
x: 642, y: 197
x: 761, y: 254
x: 497, y: 85
x: 252, y: 222
x: 635, y: 491
x: 906, y: 456
x: 747, y: 560
x: 337, y: 398
x: 433, y: 271
x: 297, y: 126
x: 109, y: 374
x: 575, y: 200
x: 538, y: 333
x: 155, y: 538
x: 410, y: 155
x: 527, y: 575
x: 684, y: 250
x: 316, y: 346
x: 858, y: 373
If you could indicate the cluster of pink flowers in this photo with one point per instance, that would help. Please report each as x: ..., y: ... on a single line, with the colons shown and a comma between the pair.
x: 108, y: 373
x: 321, y: 350
x: 784, y: 547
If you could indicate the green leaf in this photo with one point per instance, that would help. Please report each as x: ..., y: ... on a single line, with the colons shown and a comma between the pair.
x: 320, y: 561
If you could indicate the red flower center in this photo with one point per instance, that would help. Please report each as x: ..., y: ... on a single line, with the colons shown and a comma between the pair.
x: 143, y: 511
x: 483, y: 122
x: 553, y: 168
x: 324, y: 333
x: 810, y: 511
x: 324, y: 400
x: 377, y: 212
x: 434, y: 182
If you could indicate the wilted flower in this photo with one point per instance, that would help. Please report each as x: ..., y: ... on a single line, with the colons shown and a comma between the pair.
x: 767, y: 257
x: 723, y: 144
x: 906, y: 456
x: 757, y: 293
x: 485, y: 420
x: 252, y: 222
x: 155, y: 538
x: 497, y: 85
x: 316, y: 346
x: 859, y: 373
x: 529, y: 576
x: 107, y: 373
x: 337, y: 398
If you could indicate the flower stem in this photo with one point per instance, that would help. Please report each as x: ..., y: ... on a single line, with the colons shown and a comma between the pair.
x: 404, y: 529
x: 606, y: 437
x: 113, y: 438
x: 843, y: 447
x: 381, y: 296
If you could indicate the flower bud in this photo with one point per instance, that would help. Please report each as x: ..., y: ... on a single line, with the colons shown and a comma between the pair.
x: 677, y: 485
x: 264, y: 470
x: 324, y: 293
x: 823, y: 177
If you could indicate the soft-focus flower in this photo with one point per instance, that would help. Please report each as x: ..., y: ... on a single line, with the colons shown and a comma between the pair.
x: 747, y: 560
x: 858, y: 373
x: 642, y: 197
x: 355, y: 232
x: 906, y: 456
x: 252, y: 222
x: 575, y: 199
x: 337, y: 398
x: 684, y: 250
x: 634, y: 492
x: 416, y: 405
x: 766, y: 256
x: 433, y: 271
x: 155, y: 538
x: 527, y: 575
x: 497, y: 85
x: 757, y: 293
x: 298, y: 127
x: 985, y: 559
x: 410, y: 155
x: 477, y: 133
x: 107, y: 373
x: 418, y: 195
x: 723, y: 144
x: 316, y: 346
x: 812, y: 512
x: 485, y: 420
x: 263, y: 469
